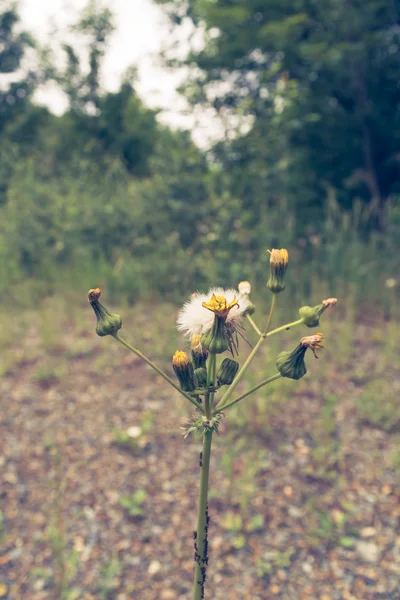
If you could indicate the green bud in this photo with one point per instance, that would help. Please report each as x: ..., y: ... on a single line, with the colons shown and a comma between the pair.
x: 227, y: 371
x: 199, y: 353
x: 279, y: 261
x: 107, y: 323
x: 184, y: 371
x: 291, y: 363
x: 250, y: 310
x: 311, y: 315
x: 216, y: 339
x: 201, y: 377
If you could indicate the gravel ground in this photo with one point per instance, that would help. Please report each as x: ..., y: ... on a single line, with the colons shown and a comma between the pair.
x: 286, y: 522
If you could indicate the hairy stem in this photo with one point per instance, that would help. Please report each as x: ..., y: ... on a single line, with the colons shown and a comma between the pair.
x: 159, y: 371
x: 201, y: 534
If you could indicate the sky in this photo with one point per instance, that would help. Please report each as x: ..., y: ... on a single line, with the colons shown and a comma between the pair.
x: 141, y: 31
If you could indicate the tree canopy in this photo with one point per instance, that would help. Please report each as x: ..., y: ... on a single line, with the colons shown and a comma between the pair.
x: 320, y: 80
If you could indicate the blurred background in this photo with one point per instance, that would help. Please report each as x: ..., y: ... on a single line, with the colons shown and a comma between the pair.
x: 157, y: 147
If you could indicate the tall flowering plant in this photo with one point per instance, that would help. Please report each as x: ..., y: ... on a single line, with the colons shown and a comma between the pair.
x: 214, y: 323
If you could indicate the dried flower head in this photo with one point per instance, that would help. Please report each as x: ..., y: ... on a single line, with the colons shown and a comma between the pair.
x: 313, y: 342
x: 329, y: 302
x: 194, y: 318
x: 244, y: 287
x: 94, y: 295
x: 279, y: 260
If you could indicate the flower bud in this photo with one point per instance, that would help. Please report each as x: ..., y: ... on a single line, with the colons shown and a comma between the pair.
x: 291, y: 363
x: 201, y: 377
x: 199, y: 353
x: 227, y: 371
x: 184, y: 371
x: 107, y: 323
x: 216, y: 339
x: 250, y: 310
x: 278, y: 264
x: 311, y: 315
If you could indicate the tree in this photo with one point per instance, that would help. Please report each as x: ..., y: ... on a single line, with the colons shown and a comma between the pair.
x: 319, y: 79
x: 18, y: 84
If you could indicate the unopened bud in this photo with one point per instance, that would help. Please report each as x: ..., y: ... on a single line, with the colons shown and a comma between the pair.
x: 199, y: 353
x: 279, y: 261
x: 311, y: 315
x: 107, y: 323
x: 184, y: 371
x: 201, y: 377
x: 227, y: 371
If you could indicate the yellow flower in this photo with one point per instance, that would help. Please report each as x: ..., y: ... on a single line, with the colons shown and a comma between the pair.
x: 279, y: 258
x: 180, y: 359
x: 184, y: 371
x: 278, y: 261
x: 313, y: 342
x: 219, y: 305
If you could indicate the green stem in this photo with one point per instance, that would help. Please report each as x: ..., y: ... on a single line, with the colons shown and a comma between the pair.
x: 284, y: 327
x: 247, y: 363
x: 211, y: 368
x: 158, y: 370
x: 240, y: 374
x: 253, y: 389
x: 271, y: 311
x: 201, y: 540
x: 250, y: 320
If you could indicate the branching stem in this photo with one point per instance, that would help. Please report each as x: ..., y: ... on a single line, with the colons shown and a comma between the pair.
x: 253, y: 389
x: 159, y: 371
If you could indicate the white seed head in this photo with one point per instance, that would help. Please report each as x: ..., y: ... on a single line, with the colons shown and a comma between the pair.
x: 194, y: 319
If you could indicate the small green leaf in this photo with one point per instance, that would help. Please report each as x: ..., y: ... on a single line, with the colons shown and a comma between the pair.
x: 347, y: 542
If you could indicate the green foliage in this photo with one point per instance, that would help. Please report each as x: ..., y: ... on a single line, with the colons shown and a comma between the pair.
x: 14, y: 43
x: 109, y: 574
x: 271, y: 561
x: 316, y: 84
x: 133, y: 504
x: 105, y: 195
x: 329, y: 528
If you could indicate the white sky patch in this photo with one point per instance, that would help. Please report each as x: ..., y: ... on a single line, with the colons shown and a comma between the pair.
x: 142, y: 30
